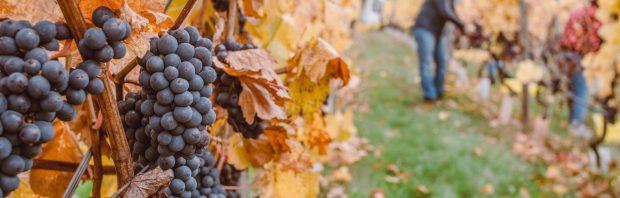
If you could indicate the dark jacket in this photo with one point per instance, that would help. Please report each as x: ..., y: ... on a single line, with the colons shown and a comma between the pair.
x: 435, y: 14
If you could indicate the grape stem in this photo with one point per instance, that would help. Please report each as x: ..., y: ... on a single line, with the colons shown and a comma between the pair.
x: 66, y: 50
x: 232, y: 188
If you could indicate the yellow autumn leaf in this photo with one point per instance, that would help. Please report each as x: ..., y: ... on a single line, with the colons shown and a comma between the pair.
x: 287, y: 183
x: 237, y: 156
x: 308, y: 96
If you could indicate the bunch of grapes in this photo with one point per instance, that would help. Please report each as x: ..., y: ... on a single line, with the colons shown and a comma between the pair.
x: 220, y: 5
x: 32, y: 88
x: 208, y: 178
x: 228, y: 90
x: 230, y: 176
x: 134, y: 124
x: 174, y: 107
x: 101, y: 44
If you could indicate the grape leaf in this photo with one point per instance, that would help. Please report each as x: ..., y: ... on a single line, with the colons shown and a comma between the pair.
x: 148, y: 183
x: 64, y: 147
x: 243, y: 153
x: 287, y: 183
x: 263, y: 93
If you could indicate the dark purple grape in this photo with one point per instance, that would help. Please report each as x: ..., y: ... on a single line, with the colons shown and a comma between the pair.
x: 53, y: 45
x: 7, y: 46
x: 183, y: 99
x: 18, y: 82
x: 19, y: 103
x: 179, y: 85
x: 5, y: 148
x: 101, y: 15
x: 158, y: 81
x: 172, y: 60
x: 75, y: 96
x: 94, y: 38
x: 12, y: 165
x: 46, y: 30
x: 27, y: 39
x: 84, y: 50
x: 167, y: 44
x: 47, y: 131
x: 53, y: 71
x: 185, y: 51
x: 78, y: 79
x: 204, y: 55
x: 12, y: 121
x: 177, y: 144
x: 32, y: 67
x: 91, y: 68
x: 208, y: 74
x: 119, y: 48
x: 155, y: 64
x: 204, y: 42
x: 177, y: 186
x: 191, y: 135
x: 95, y: 86
x: 105, y: 54
x: 62, y: 31
x: 165, y: 97
x: 14, y: 65
x: 186, y: 70
x: 30, y: 134
x: 168, y: 122
x: 182, y: 114
x: 171, y: 73
x: 114, y: 29
x: 38, y: 87
x: 66, y: 113
x: 38, y: 54
x: 51, y: 103
x: 166, y: 163
x: 180, y: 35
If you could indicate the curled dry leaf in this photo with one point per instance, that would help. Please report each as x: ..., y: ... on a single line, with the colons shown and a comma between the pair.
x: 64, y: 147
x: 263, y: 93
x: 148, y: 183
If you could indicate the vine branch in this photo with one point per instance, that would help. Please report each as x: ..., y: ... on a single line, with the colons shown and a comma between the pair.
x: 232, y: 19
x: 106, y: 102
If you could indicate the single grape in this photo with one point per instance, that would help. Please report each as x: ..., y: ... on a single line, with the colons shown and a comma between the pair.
x: 5, y: 148
x: 7, y: 46
x: 66, y: 113
x: 119, y: 48
x: 166, y: 162
x: 18, y: 82
x: 206, y: 91
x: 203, y: 105
x: 114, y: 29
x: 46, y: 30
x: 12, y: 165
x: 182, y: 114
x: 161, y: 109
x: 158, y: 81
x: 194, y: 34
x: 197, y: 64
x: 167, y: 44
x: 177, y: 186
x: 30, y: 134
x: 32, y: 66
x: 168, y: 122
x: 101, y: 15
x: 19, y: 103
x: 51, y: 103
x: 186, y: 70
x: 53, y: 45
x: 196, y: 83
x: 208, y: 74
x: 95, y: 86
x: 165, y: 97
x: 84, y: 50
x: 190, y: 184
x: 75, y: 96
x: 204, y: 42
x: 127, y: 30
x: 153, y: 43
x: 53, y: 71
x: 47, y: 131
x: 45, y: 116
x: 185, y: 51
x: 27, y: 39
x: 14, y: 65
x: 78, y: 79
x: 182, y: 172
x: 105, y: 54
x: 164, y: 138
x: 146, y: 108
x: 171, y: 73
x: 183, y: 99
x: 94, y: 38
x: 91, y: 68
x: 191, y: 136
x: 177, y: 144
x: 8, y: 183
x: 38, y: 87
x: 62, y: 31
x: 179, y: 85
x: 204, y: 55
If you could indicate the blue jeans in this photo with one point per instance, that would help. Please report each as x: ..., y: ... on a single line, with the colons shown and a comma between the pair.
x: 579, y: 102
x: 431, y: 48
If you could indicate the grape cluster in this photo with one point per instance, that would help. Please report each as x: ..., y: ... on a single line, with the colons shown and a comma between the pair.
x: 134, y: 124
x: 99, y: 45
x: 228, y: 90
x: 174, y: 106
x: 230, y: 176
x: 31, y: 94
x: 220, y: 5
x: 208, y: 178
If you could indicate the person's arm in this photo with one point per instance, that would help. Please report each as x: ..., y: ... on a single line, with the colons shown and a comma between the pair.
x: 446, y: 9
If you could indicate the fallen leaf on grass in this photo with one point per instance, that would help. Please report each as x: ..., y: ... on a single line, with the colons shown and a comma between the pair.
x: 477, y: 152
x: 553, y: 173
x: 377, y: 193
x: 524, y: 193
x: 422, y: 189
x: 392, y: 179
x: 392, y: 169
x: 443, y: 115
x: 342, y: 175
x: 559, y: 189
x: 487, y: 189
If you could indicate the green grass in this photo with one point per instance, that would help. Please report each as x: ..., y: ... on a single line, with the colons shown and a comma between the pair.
x: 438, y: 154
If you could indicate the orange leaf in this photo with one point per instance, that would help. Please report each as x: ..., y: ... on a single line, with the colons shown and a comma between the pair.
x: 260, y: 149
x: 319, y: 59
x: 249, y: 7
x: 63, y: 147
x: 250, y: 60
x: 30, y: 10
x: 277, y: 135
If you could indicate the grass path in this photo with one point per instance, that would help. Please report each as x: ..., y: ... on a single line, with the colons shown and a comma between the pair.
x: 439, y: 153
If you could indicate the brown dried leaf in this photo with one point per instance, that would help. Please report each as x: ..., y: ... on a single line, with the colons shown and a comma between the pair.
x: 256, y: 100
x: 30, y: 10
x: 252, y: 60
x: 260, y: 149
x: 148, y: 183
x: 64, y: 148
x: 318, y: 59
x: 277, y: 135
x: 422, y: 189
x: 487, y: 189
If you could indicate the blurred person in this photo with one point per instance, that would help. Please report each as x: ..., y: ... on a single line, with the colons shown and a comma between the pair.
x: 579, y: 38
x: 433, y: 45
